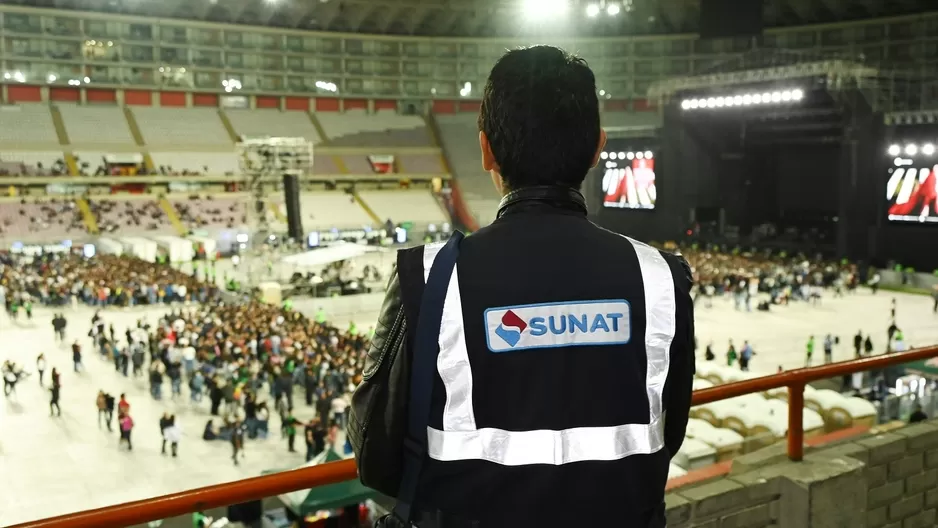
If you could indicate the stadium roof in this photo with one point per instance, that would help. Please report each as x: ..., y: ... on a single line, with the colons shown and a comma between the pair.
x: 479, y: 18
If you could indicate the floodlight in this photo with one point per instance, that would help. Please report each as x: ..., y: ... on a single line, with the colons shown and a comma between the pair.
x: 51, y: 78
x: 685, y: 104
x: 545, y: 9
x: 894, y: 150
x: 613, y: 155
x: 694, y: 103
x: 622, y: 155
x: 756, y: 98
x: 87, y: 80
x: 711, y: 102
x: 911, y: 150
x: 737, y: 100
x: 766, y: 97
x: 604, y: 155
x: 639, y: 155
x: 612, y: 9
x: 648, y: 154
x: 796, y: 95
x: 631, y: 155
x: 928, y: 149
x: 592, y: 10
x: 776, y: 97
x: 786, y: 95
x: 747, y: 99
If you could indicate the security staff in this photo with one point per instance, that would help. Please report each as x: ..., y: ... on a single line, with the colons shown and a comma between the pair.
x: 563, y: 380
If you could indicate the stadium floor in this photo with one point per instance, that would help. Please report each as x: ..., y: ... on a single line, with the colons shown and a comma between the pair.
x: 57, y: 465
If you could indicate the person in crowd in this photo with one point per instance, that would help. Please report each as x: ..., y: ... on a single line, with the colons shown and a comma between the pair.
x: 172, y: 433
x: 708, y: 352
x: 108, y: 410
x: 828, y: 349
x: 58, y: 327
x: 237, y: 442
x: 101, y: 404
x: 76, y: 356
x: 892, y: 309
x: 56, y: 392
x: 165, y: 421
x: 808, y: 351
x: 858, y: 344
x: 731, y: 355
x: 41, y: 366
x: 745, y: 356
x: 868, y: 345
x: 918, y: 415
x: 289, y: 424
x: 126, y: 424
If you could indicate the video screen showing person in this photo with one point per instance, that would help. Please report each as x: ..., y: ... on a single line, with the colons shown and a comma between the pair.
x: 913, y: 194
x: 629, y: 183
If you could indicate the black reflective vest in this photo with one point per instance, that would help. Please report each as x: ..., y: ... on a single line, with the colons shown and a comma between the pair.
x: 564, y: 373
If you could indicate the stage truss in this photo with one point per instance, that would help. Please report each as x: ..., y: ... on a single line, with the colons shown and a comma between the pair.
x: 264, y: 162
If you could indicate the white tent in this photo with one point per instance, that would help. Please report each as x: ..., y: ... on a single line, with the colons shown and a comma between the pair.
x: 329, y: 254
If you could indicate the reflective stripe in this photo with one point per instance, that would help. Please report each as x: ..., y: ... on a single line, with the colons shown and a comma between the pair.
x: 461, y: 440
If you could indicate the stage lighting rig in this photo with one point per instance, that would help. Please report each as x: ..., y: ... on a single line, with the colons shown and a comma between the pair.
x: 774, y: 97
x: 911, y: 149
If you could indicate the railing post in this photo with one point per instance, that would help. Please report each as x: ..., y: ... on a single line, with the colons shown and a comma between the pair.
x: 796, y: 421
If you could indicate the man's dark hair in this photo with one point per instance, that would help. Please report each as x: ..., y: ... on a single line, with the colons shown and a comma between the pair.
x: 541, y: 116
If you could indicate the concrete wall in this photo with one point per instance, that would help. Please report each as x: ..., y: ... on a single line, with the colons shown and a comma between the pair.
x: 888, y: 480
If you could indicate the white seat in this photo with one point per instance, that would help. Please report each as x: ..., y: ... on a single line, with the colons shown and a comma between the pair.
x: 182, y: 128
x: 356, y: 127
x: 218, y: 163
x: 266, y: 122
x: 415, y: 206
x: 27, y: 123
x: 96, y: 124
x: 325, y: 210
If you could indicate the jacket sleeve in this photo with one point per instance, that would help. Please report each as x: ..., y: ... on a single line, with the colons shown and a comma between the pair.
x: 679, y: 385
x: 376, y: 428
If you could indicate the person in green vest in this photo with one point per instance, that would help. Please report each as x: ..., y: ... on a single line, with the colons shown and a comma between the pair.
x: 290, y: 423
x: 288, y: 304
x: 321, y: 316
x: 809, y: 351
x: 731, y: 355
x: 28, y: 306
x: 200, y: 520
x: 352, y: 329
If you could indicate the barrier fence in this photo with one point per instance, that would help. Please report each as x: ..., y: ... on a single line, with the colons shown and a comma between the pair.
x: 200, y: 499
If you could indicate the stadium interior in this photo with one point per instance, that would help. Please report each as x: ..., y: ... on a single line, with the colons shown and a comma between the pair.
x: 246, y: 161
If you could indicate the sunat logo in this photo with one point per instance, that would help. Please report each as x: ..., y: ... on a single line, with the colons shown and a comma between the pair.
x: 511, y: 320
x: 554, y: 325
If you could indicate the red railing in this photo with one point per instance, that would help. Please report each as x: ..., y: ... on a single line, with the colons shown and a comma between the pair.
x: 201, y: 499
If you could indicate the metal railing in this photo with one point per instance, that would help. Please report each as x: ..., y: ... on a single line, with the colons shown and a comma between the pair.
x: 166, y: 506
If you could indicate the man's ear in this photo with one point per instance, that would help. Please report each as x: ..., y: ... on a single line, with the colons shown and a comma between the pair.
x: 599, y: 148
x: 488, y: 159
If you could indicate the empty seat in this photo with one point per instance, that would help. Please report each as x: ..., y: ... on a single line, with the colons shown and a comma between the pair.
x: 275, y: 123
x: 183, y: 128
x: 459, y: 135
x: 325, y: 210
x: 420, y: 164
x: 204, y: 163
x: 383, y: 129
x: 27, y: 123
x: 96, y: 124
x: 405, y: 206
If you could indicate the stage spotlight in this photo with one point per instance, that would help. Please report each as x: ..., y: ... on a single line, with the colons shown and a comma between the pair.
x: 894, y: 150
x: 747, y: 99
x: 738, y: 100
x: 639, y: 155
x: 796, y: 95
x: 685, y: 104
x: 928, y: 149
x: 604, y: 155
x: 648, y: 154
x: 911, y: 150
x: 631, y: 155
x: 786, y: 95
x: 776, y: 97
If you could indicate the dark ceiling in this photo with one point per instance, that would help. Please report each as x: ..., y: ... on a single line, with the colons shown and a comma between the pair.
x: 478, y: 18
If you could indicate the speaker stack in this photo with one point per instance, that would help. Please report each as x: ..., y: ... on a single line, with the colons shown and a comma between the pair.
x: 291, y: 195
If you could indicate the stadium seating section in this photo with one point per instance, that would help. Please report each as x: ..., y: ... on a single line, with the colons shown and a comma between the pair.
x: 460, y: 137
x: 419, y: 207
x: 382, y: 129
x: 96, y: 124
x: 261, y: 123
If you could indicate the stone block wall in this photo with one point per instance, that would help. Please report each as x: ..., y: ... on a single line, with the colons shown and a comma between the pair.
x: 888, y: 480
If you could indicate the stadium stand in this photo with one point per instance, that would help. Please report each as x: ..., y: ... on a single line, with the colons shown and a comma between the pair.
x: 325, y: 210
x: 382, y: 129
x: 136, y: 216
x: 96, y: 125
x: 415, y: 206
x: 182, y: 128
x: 357, y: 164
x: 31, y: 163
x: 324, y: 165
x: 459, y: 135
x: 189, y: 163
x: 27, y: 124
x: 46, y: 220
x: 211, y: 212
x: 260, y: 123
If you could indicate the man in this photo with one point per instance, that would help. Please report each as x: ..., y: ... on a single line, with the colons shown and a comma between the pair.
x: 858, y: 344
x: 541, y: 304
x: 808, y: 351
x: 76, y: 356
x: 745, y: 356
x: 828, y: 349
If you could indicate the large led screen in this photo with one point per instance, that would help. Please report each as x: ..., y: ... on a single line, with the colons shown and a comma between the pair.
x: 629, y: 180
x: 912, y: 192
